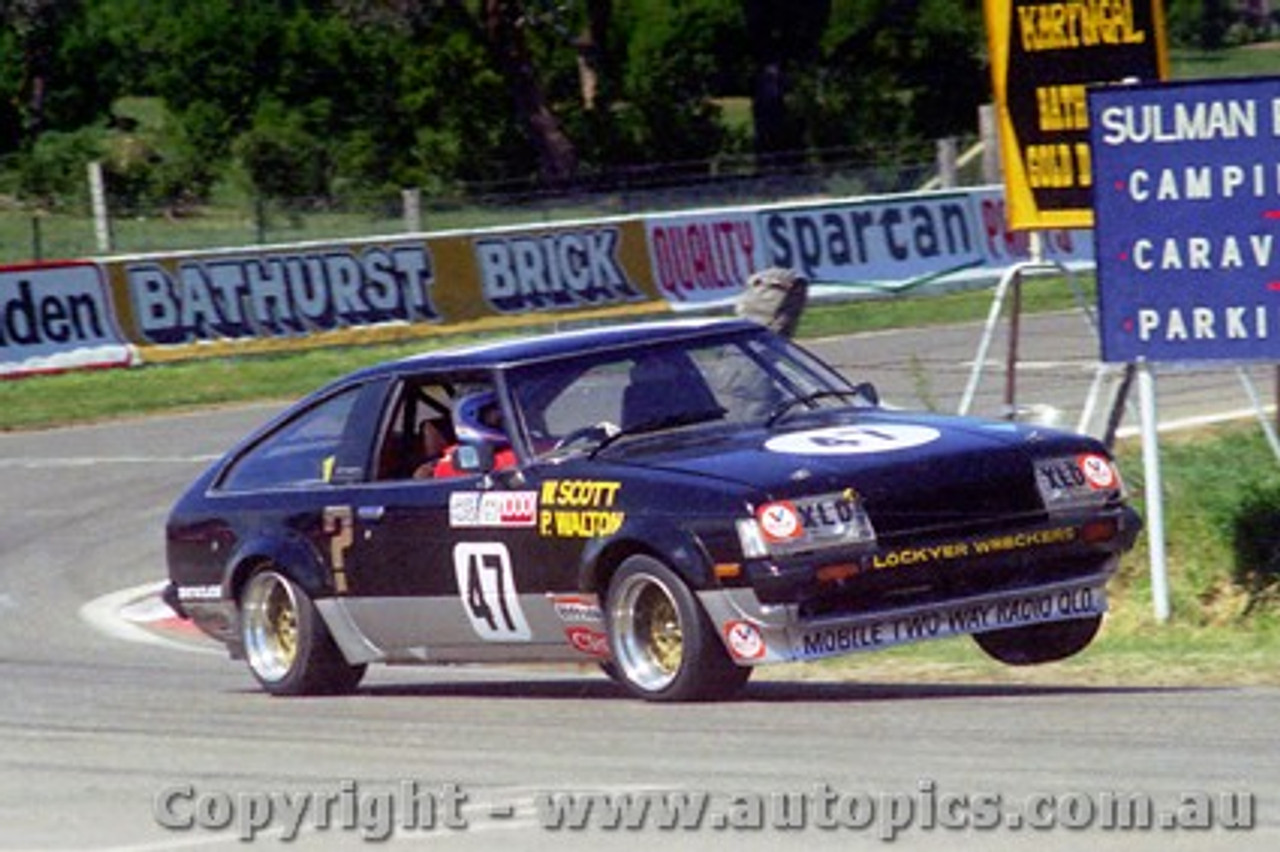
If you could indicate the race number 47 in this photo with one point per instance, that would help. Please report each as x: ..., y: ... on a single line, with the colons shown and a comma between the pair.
x: 487, y: 587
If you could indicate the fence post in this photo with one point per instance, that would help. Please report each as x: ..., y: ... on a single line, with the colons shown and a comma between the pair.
x: 37, y: 240
x: 411, y: 200
x: 98, y: 197
x: 947, y: 170
x: 988, y: 132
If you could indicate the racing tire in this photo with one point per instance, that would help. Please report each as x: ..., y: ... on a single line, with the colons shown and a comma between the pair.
x: 286, y: 643
x: 1039, y: 643
x: 664, y: 645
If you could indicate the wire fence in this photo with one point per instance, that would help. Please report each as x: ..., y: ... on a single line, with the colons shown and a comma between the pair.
x: 67, y: 228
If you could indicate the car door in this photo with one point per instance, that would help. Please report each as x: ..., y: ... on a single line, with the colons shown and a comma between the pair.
x: 446, y: 567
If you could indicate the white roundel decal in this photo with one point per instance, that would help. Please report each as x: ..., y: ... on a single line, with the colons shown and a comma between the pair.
x: 1098, y: 471
x: 745, y: 640
x: 780, y: 521
x: 853, y: 440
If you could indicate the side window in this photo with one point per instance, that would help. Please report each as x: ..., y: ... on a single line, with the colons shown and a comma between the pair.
x: 417, y: 431
x: 298, y: 453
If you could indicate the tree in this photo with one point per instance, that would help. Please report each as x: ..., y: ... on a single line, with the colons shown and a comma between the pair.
x: 781, y: 34
x: 505, y: 26
x: 897, y: 73
x: 667, y: 108
x: 37, y: 35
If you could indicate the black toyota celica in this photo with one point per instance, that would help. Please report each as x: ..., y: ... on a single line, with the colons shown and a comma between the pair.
x: 679, y: 501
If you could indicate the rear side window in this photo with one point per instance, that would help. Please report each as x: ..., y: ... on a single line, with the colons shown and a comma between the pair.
x: 299, y: 453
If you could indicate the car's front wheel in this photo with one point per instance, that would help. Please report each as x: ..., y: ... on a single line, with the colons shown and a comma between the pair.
x: 664, y: 646
x: 1039, y: 643
x: 288, y: 647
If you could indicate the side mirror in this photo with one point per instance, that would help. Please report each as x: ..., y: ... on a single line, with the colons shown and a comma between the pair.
x: 868, y: 391
x: 474, y: 457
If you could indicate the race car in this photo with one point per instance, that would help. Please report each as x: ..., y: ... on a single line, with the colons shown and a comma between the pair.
x: 678, y: 501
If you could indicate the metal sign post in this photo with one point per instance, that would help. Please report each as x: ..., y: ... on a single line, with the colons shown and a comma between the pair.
x: 1154, y: 490
x: 1012, y: 280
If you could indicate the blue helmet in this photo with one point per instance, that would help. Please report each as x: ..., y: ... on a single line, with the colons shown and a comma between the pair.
x: 477, y: 417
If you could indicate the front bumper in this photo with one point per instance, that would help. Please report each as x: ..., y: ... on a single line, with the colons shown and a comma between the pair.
x: 756, y: 633
x: 910, y: 570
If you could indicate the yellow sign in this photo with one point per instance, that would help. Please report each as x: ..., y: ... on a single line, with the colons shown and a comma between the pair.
x: 1043, y: 57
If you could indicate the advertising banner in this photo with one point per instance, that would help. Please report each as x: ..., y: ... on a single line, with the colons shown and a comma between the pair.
x: 893, y: 244
x: 701, y: 259
x: 57, y: 317
x: 1188, y: 220
x: 282, y: 297
x: 566, y: 267
x: 273, y: 293
x: 168, y: 307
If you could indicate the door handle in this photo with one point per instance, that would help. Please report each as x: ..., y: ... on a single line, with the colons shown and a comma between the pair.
x: 370, y: 513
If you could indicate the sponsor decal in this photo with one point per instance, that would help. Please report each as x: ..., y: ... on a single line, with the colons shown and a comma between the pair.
x: 578, y: 609
x: 564, y: 269
x: 780, y: 522
x: 491, y: 509
x: 594, y: 643
x: 580, y: 493
x: 1098, y: 472
x: 199, y: 593
x: 281, y: 295
x: 579, y: 508
x: 744, y: 640
x: 853, y: 440
x: 955, y: 619
x: 990, y: 546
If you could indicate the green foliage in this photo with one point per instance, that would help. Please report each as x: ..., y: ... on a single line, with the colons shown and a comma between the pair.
x: 54, y: 171
x: 454, y: 104
x: 1256, y: 537
x: 669, y: 114
x: 380, y: 95
x: 10, y: 91
x: 896, y: 73
x: 1204, y: 24
x: 1220, y: 493
x: 281, y: 157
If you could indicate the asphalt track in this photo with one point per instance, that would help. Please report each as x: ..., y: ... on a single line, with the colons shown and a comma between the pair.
x: 107, y: 729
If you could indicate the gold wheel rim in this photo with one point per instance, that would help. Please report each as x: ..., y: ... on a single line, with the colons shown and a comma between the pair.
x: 282, y: 619
x: 665, y: 638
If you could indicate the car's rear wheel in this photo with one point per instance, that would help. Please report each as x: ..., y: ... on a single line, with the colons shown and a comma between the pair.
x: 288, y: 647
x: 1039, y: 643
x: 664, y: 646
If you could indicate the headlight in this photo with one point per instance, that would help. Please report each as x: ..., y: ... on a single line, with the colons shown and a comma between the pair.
x: 752, y: 539
x: 808, y: 523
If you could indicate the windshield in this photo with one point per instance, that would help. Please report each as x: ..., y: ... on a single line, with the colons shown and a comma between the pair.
x: 589, y: 402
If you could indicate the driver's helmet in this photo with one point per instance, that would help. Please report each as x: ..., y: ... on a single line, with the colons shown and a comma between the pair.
x: 477, y: 417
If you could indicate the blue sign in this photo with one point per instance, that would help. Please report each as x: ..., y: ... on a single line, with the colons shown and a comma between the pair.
x: 1186, y: 199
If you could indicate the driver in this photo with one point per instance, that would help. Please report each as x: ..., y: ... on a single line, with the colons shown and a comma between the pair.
x: 477, y: 417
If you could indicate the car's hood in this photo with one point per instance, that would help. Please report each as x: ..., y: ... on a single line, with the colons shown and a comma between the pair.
x: 909, y: 469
